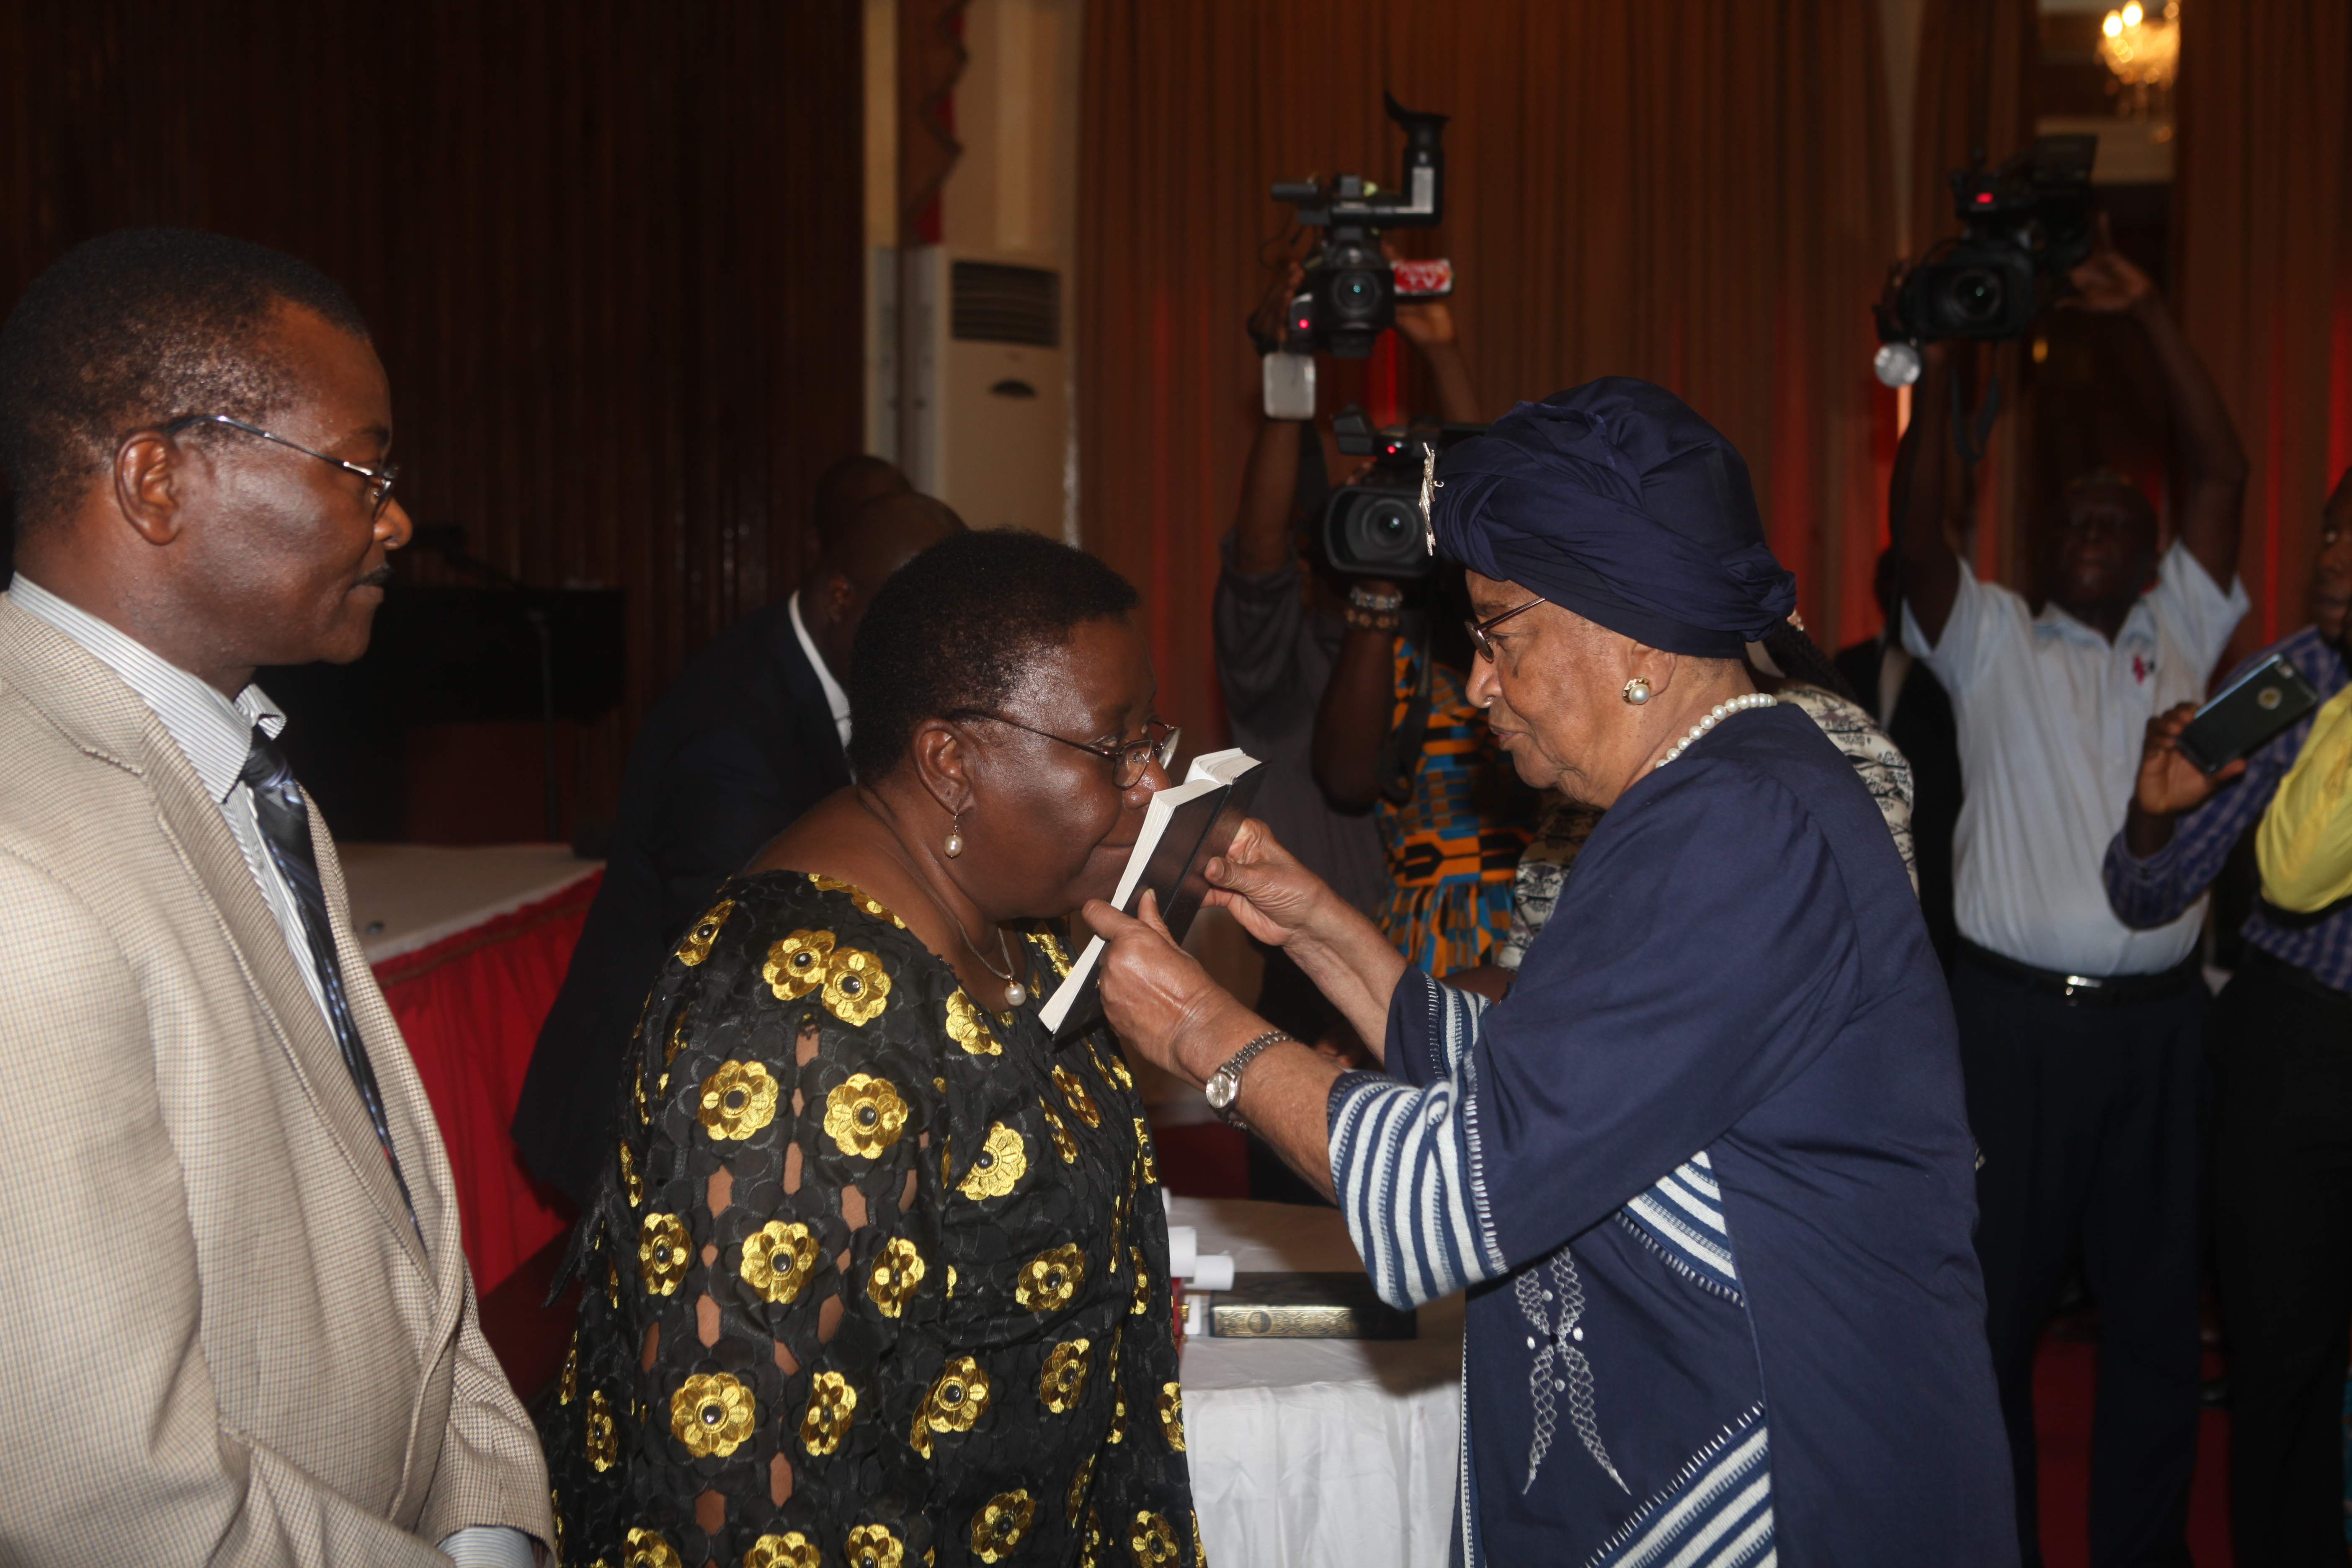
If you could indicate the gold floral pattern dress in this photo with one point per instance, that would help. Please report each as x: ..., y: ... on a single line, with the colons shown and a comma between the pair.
x: 875, y: 1279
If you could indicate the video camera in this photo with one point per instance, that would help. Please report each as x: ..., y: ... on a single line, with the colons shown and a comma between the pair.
x: 1347, y: 298
x: 2024, y: 226
x: 1373, y: 528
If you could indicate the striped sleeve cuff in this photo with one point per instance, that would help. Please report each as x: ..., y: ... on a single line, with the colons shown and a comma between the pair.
x: 1404, y: 1170
x: 1431, y: 1027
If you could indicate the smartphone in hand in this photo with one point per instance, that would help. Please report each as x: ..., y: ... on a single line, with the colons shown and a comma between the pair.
x: 2247, y: 714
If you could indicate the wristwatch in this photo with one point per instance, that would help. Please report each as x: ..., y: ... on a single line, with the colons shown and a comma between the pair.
x: 1224, y: 1085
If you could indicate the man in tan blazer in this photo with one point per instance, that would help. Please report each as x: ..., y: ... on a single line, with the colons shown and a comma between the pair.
x: 238, y: 1323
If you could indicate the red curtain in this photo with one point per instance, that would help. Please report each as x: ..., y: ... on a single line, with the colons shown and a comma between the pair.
x: 1694, y: 191
x: 2263, y: 222
x: 470, y: 1007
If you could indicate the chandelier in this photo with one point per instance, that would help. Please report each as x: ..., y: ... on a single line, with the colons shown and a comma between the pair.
x: 2142, y: 52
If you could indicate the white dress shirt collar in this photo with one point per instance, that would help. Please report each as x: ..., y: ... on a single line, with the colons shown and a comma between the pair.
x: 834, y: 696
x: 215, y: 733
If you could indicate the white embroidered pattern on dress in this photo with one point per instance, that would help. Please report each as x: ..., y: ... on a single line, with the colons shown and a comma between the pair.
x: 1556, y: 1315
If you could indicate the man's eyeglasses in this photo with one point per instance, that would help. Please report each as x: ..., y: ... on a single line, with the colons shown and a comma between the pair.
x: 377, y: 490
x: 1130, y: 759
x: 1478, y: 629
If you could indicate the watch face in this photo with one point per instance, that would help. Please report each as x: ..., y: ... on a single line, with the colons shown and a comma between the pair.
x: 1220, y: 1089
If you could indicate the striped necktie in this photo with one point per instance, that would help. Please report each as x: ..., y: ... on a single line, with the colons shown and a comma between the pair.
x: 284, y: 818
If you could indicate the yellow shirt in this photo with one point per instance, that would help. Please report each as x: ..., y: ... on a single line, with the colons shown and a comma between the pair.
x: 2304, y: 842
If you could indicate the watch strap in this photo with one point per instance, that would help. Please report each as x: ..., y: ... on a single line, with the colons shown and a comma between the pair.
x: 1230, y: 1113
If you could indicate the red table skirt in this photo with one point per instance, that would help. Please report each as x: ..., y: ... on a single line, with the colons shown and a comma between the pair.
x: 471, y: 1006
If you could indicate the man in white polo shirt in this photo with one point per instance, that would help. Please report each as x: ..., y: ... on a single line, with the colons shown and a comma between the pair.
x: 2081, y: 1038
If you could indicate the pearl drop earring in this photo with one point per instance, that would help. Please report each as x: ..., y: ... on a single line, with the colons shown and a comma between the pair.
x: 954, y: 845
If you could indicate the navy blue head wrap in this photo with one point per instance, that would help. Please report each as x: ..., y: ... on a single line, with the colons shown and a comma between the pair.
x: 1616, y: 501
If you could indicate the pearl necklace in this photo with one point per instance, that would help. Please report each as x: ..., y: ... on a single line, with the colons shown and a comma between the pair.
x: 1716, y: 715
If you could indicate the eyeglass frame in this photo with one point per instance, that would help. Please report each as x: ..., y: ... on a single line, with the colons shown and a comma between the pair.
x: 1162, y: 750
x: 1478, y: 629
x: 379, y: 481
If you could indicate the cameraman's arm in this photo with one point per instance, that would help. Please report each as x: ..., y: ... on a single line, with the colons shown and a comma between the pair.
x: 1269, y: 481
x: 1919, y: 497
x: 1428, y: 326
x: 2212, y: 462
x: 1351, y: 726
x: 1270, y: 478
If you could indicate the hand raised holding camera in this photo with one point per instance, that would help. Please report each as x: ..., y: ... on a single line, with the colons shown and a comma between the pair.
x: 1426, y: 324
x: 1265, y: 322
x: 2109, y: 282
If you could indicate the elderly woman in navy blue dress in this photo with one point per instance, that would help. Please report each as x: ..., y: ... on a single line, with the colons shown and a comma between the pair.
x: 1706, y: 1173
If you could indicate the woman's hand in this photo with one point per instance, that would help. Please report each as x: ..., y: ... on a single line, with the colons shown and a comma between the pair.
x: 1159, y: 999
x: 1275, y: 899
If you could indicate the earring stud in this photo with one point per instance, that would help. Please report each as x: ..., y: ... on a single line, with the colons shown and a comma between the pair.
x: 1637, y: 691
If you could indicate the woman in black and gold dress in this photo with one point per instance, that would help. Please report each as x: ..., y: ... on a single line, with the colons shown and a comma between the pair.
x: 877, y: 1275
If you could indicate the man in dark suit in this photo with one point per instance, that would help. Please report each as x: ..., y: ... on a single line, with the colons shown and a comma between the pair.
x: 750, y: 737
x: 1911, y: 705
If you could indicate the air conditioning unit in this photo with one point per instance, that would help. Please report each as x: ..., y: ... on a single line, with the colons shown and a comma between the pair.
x: 987, y: 424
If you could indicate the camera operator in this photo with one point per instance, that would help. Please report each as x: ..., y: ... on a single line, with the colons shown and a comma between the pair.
x: 1396, y: 731
x: 1280, y: 621
x: 2080, y: 1035
x: 1276, y: 626
x: 2282, y: 1096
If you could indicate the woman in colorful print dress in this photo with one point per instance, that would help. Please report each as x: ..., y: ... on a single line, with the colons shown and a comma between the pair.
x: 877, y: 1274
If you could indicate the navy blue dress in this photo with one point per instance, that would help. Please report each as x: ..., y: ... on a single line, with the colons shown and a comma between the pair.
x: 1707, y: 1176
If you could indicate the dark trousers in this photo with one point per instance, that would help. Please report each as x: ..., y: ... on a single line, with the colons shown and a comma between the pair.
x: 2087, y: 1121
x: 2281, y: 1061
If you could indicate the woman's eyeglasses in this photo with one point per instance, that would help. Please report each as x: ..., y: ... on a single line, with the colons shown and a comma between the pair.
x: 1478, y: 629
x: 1130, y: 759
x: 377, y: 490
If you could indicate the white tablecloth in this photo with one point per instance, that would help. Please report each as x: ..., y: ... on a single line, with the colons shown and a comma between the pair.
x: 407, y: 896
x: 1317, y: 1453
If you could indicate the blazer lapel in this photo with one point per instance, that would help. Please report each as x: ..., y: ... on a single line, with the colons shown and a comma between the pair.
x: 92, y: 706
x: 415, y: 1132
x: 194, y: 821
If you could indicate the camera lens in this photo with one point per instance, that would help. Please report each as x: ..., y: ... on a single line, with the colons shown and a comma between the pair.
x: 1355, y: 295
x: 1976, y: 296
x: 1388, y: 530
x: 1376, y: 533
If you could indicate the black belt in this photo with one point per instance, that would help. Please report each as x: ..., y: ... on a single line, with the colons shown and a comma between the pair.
x: 2090, y: 990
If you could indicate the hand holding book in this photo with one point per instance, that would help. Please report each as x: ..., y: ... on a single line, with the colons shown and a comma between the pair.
x: 1269, y: 892
x: 1159, y: 999
x: 1283, y: 904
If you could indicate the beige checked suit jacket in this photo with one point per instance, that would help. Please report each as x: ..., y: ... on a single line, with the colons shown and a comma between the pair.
x: 220, y: 1339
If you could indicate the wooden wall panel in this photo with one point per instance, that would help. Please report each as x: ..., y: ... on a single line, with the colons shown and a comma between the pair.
x: 610, y: 251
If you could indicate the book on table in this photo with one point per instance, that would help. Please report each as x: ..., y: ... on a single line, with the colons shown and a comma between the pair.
x: 1297, y: 1305
x: 1186, y: 827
